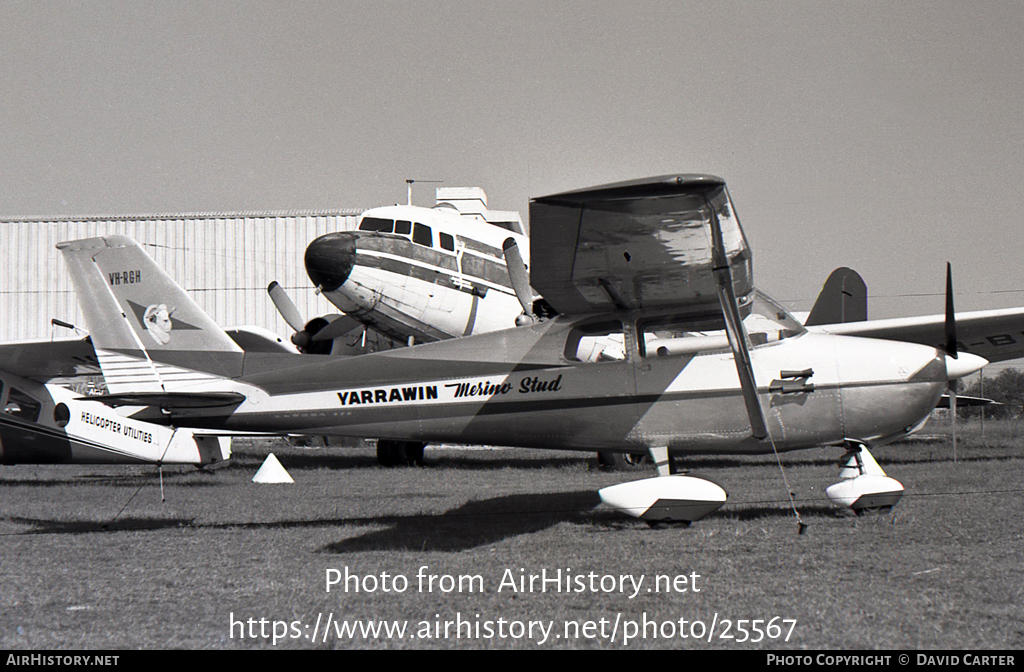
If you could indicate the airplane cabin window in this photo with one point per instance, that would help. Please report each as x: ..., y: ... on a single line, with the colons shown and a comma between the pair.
x: 596, y: 342
x: 422, y: 235
x: 403, y: 226
x: 485, y: 269
x: 766, y: 322
x: 377, y: 224
x: 20, y: 405
x: 446, y: 242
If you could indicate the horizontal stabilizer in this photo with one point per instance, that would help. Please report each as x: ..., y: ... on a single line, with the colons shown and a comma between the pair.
x: 962, y: 400
x: 171, y: 399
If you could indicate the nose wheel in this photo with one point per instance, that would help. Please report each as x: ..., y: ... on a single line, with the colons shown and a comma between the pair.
x: 865, y: 488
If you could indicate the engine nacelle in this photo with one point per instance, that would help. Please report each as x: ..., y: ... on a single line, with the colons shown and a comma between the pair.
x: 665, y: 499
x: 866, y: 492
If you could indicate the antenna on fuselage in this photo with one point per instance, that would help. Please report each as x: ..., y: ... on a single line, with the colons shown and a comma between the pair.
x: 408, y: 188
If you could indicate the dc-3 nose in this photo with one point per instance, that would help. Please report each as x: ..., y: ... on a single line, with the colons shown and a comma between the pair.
x: 329, y: 260
x: 964, y: 365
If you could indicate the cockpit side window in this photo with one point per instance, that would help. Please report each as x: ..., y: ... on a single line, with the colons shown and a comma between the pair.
x: 446, y: 241
x: 596, y: 342
x: 422, y: 235
x: 377, y: 224
x: 20, y: 405
x: 403, y: 226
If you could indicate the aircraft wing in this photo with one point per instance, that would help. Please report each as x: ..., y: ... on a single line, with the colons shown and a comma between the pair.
x: 48, y: 360
x: 996, y: 335
x: 639, y: 245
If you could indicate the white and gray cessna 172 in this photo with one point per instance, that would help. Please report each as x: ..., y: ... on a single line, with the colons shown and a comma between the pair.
x: 637, y: 272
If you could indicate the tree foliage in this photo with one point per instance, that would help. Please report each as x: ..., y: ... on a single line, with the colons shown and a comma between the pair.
x: 1007, y: 388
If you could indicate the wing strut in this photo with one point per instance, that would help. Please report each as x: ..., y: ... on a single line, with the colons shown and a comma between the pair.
x: 741, y: 348
x: 734, y: 328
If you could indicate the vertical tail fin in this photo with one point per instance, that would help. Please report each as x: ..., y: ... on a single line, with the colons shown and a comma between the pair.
x: 843, y: 298
x: 149, y: 335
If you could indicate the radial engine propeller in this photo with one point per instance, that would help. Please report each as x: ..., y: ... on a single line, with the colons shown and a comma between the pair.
x: 534, y: 309
x: 315, y: 337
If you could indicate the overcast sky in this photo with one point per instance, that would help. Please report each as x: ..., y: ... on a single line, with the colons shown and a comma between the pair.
x: 885, y: 136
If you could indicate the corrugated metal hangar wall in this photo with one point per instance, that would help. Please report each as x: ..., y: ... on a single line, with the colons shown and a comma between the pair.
x: 224, y: 261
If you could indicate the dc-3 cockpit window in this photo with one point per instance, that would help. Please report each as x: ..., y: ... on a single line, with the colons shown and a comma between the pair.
x: 766, y: 322
x: 596, y: 342
x: 20, y: 405
x: 446, y: 241
x: 377, y: 224
x: 422, y: 235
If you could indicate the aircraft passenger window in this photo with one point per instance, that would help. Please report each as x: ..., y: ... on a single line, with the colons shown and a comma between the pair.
x: 422, y: 235
x: 377, y: 224
x: 20, y: 405
x: 485, y: 269
x: 403, y: 226
x: 600, y: 342
x: 446, y: 242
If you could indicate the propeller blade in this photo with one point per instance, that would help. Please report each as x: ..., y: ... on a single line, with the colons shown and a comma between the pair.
x: 285, y: 306
x: 952, y: 412
x: 517, y: 274
x: 951, y: 340
x: 338, y: 327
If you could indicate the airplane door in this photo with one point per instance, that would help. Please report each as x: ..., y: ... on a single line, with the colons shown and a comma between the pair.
x: 604, y: 384
x: 675, y: 402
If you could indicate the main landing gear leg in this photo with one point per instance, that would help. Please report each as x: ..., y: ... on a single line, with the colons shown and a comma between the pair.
x: 400, y: 453
x: 609, y: 461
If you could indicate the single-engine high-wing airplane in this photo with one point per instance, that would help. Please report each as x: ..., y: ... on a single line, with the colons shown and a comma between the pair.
x: 413, y: 274
x: 634, y: 270
x: 43, y: 422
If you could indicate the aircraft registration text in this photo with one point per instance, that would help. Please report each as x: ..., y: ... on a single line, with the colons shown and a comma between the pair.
x: 124, y: 277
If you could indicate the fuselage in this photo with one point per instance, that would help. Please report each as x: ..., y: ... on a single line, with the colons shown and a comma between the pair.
x: 48, y: 424
x: 590, y: 384
x: 428, y: 273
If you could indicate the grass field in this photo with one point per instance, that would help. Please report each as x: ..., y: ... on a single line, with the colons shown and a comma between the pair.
x: 90, y: 556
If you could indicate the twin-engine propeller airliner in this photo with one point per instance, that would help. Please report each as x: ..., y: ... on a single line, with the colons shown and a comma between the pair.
x: 636, y: 273
x: 413, y: 274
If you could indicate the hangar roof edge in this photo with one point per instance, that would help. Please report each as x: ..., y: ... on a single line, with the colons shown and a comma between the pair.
x: 165, y: 216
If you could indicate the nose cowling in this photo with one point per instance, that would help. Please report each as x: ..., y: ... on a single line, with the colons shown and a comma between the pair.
x: 329, y: 260
x: 888, y: 387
